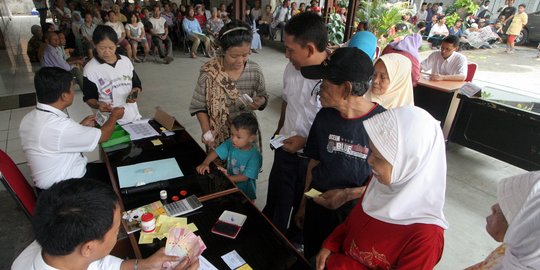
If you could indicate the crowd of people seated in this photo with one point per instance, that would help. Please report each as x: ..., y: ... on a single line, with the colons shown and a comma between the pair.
x: 143, y: 30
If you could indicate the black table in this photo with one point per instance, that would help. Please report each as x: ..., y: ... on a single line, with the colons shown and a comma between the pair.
x: 501, y: 124
x: 439, y: 99
x: 259, y: 243
x: 188, y: 155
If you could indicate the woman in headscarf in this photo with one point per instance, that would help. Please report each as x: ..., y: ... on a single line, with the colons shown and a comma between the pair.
x: 399, y: 222
x: 515, y: 221
x: 408, y: 47
x: 391, y: 85
x: 224, y: 82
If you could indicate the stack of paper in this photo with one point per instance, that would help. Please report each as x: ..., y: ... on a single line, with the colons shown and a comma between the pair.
x: 140, y: 129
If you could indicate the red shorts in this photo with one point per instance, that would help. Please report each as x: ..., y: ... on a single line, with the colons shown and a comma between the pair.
x: 124, y: 43
x: 511, y: 38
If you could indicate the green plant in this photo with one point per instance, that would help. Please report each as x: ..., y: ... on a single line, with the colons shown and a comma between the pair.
x: 469, y: 5
x: 336, y: 28
x: 343, y: 3
x: 452, y: 19
x: 382, y: 17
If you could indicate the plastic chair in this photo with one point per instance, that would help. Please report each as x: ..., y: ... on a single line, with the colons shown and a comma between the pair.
x: 471, y: 70
x: 16, y: 184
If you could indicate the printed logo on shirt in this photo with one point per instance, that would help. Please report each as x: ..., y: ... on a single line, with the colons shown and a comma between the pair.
x: 101, y: 82
x: 337, y: 144
x: 372, y: 259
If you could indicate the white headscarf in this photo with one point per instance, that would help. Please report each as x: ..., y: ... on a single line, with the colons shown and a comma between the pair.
x: 400, y: 90
x: 411, y: 140
x: 519, y: 198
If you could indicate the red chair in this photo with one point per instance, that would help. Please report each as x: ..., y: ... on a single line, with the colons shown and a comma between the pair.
x: 16, y: 184
x: 471, y: 70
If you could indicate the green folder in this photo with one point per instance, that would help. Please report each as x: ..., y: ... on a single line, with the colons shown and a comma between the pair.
x: 118, y: 136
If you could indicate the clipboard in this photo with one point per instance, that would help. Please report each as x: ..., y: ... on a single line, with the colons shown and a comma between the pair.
x: 166, y: 120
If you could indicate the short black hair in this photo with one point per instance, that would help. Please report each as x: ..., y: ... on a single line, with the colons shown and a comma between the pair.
x: 131, y: 15
x: 454, y: 40
x: 241, y: 34
x: 246, y: 121
x: 522, y: 5
x: 111, y: 11
x: 308, y: 27
x: 424, y: 4
x: 103, y: 32
x: 51, y: 83
x: 73, y: 212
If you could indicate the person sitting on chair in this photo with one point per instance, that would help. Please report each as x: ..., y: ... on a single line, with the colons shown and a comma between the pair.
x: 282, y: 14
x: 195, y: 34
x: 446, y: 64
x: 160, y: 36
x: 52, y: 142
x: 76, y: 224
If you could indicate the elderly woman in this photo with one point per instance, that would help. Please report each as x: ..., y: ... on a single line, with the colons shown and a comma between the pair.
x: 110, y: 79
x: 337, y: 144
x: 408, y: 47
x: 399, y: 222
x: 391, y: 85
x: 224, y: 82
x: 515, y: 221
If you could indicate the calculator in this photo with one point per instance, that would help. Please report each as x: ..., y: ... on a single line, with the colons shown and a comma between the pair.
x: 183, y: 206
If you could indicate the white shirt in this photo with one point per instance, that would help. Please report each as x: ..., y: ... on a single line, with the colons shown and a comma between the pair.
x: 436, y: 28
x: 301, y: 105
x: 158, y: 25
x: 282, y: 14
x: 118, y: 28
x: 422, y: 15
x: 53, y: 144
x: 31, y: 259
x: 114, y: 85
x: 456, y: 64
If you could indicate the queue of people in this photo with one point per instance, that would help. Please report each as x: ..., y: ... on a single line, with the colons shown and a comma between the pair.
x: 352, y: 131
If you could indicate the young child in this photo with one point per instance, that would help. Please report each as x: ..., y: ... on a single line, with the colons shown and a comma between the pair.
x: 243, y: 159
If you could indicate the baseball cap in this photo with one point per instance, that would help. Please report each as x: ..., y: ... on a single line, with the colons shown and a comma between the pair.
x: 345, y: 64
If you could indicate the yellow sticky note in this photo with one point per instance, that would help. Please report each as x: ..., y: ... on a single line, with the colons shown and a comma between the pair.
x: 192, y: 227
x: 162, y: 129
x: 157, y: 142
x: 146, y: 238
x: 244, y: 267
x: 313, y: 193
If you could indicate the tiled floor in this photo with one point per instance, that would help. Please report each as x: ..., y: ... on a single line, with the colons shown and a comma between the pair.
x: 472, y: 176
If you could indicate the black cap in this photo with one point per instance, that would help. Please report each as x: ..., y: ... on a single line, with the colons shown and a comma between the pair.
x: 345, y: 64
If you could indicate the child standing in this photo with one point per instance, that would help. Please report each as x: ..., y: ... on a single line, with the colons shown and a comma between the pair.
x: 243, y: 159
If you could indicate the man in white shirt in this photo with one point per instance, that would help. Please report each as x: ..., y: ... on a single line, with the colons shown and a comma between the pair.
x: 52, y: 142
x: 422, y: 13
x: 160, y: 36
x: 305, y: 45
x: 76, y: 225
x: 282, y: 14
x: 446, y: 64
x: 121, y: 32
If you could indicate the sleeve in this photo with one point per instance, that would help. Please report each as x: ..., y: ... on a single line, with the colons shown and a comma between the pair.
x: 198, y: 100
x: 71, y: 138
x: 135, y: 81
x: 311, y: 149
x: 423, y: 251
x: 185, y: 26
x: 285, y: 75
x: 426, y: 64
x: 90, y: 90
x: 462, y: 66
x: 223, y: 149
x: 261, y: 85
x: 253, y: 166
x: 335, y: 240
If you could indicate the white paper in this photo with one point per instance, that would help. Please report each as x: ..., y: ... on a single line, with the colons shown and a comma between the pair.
x: 233, y: 260
x: 233, y: 218
x: 277, y: 141
x: 140, y: 129
x: 204, y: 264
x: 469, y: 89
x: 246, y: 99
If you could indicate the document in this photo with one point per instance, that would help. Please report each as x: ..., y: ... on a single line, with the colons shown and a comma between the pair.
x: 469, y: 89
x: 148, y: 172
x: 233, y: 259
x: 204, y: 264
x: 140, y: 129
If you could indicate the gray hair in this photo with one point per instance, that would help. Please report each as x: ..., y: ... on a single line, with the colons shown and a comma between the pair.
x: 359, y: 88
